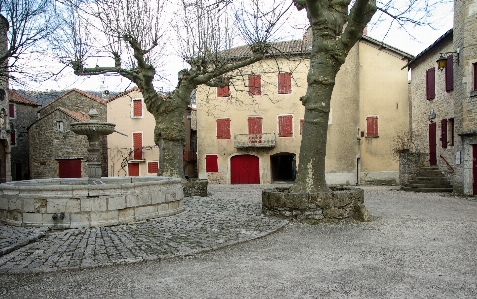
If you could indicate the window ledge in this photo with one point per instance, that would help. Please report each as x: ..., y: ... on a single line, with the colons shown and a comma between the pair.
x: 371, y: 137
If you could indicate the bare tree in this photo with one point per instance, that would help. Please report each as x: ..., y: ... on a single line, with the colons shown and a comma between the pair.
x: 29, y: 23
x: 336, y: 26
x: 133, y: 32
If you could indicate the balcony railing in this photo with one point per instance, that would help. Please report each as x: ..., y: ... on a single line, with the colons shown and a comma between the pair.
x: 254, y: 140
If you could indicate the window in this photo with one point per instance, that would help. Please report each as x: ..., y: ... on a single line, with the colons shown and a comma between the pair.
x: 223, y: 128
x: 254, y: 85
x: 211, y: 164
x: 255, y: 130
x: 372, y: 126
x: 475, y: 76
x: 450, y: 131
x: 59, y: 126
x: 137, y: 146
x: 430, y: 84
x: 133, y: 169
x: 444, y: 133
x: 137, y: 108
x: 285, y: 125
x: 152, y: 167
x: 449, y: 73
x: 284, y: 83
x: 223, y: 92
x: 12, y: 138
x: 11, y: 110
x: 302, y: 124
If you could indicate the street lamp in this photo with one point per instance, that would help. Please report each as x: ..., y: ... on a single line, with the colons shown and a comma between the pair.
x: 441, y: 62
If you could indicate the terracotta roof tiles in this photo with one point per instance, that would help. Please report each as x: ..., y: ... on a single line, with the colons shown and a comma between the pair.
x: 15, y: 97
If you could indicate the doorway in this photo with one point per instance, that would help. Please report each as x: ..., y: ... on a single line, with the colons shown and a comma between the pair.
x: 283, y: 167
x: 245, y: 170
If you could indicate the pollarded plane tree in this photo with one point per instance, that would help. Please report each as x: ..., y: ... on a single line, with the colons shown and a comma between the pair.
x: 133, y: 32
x: 336, y: 26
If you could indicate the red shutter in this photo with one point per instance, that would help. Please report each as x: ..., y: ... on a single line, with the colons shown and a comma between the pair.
x: 449, y: 73
x: 223, y: 91
x: 11, y: 110
x: 255, y: 130
x: 137, y: 146
x: 302, y: 124
x: 444, y: 133
x: 254, y: 85
x: 133, y: 169
x: 152, y: 167
x: 137, y: 109
x: 285, y: 125
x: 430, y: 83
x: 450, y: 124
x: 211, y: 164
x: 284, y: 83
x: 372, y: 126
x: 223, y: 128
x: 12, y: 138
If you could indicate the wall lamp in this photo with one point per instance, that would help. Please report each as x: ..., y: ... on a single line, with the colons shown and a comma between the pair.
x: 441, y: 62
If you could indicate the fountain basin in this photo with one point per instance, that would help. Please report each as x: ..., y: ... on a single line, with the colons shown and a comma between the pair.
x: 92, y: 128
x: 76, y: 204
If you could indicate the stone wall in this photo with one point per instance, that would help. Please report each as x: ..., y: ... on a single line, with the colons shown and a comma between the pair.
x: 76, y: 101
x: 25, y: 115
x: 409, y: 164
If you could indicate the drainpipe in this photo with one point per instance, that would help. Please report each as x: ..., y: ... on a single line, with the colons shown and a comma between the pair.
x: 357, y: 170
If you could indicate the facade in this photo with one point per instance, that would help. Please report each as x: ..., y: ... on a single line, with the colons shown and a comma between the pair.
x: 250, y: 131
x: 22, y: 113
x: 132, y: 151
x: 5, y: 171
x: 444, y: 102
x: 55, y: 151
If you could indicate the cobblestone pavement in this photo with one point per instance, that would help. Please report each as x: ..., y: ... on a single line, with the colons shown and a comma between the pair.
x: 224, y: 218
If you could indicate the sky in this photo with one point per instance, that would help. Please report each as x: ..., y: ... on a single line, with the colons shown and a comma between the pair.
x: 412, y: 41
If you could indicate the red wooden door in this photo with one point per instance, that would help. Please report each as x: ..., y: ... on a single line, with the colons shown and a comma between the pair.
x: 432, y: 144
x: 70, y: 168
x: 133, y: 169
x: 474, y: 169
x: 255, y: 130
x: 245, y: 170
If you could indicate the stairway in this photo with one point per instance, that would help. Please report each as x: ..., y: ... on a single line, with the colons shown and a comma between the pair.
x: 428, y: 179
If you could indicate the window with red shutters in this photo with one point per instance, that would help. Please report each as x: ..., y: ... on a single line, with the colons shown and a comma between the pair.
x: 302, y: 124
x: 255, y: 130
x: 133, y: 169
x: 254, y: 85
x: 285, y: 125
x: 12, y: 138
x: 430, y: 83
x: 11, y: 110
x: 137, y: 108
x: 137, y: 146
x: 444, y: 133
x: 372, y: 126
x: 223, y: 92
x: 211, y: 164
x: 284, y: 83
x: 223, y: 128
x: 152, y: 167
x: 449, y: 73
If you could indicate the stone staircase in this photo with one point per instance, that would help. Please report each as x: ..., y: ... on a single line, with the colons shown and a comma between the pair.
x: 428, y: 179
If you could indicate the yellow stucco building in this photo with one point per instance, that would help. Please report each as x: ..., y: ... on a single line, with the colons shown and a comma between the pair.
x: 250, y: 131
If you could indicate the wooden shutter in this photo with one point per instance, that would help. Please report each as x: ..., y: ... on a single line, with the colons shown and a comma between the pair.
x: 430, y: 83
x: 137, y: 146
x: 444, y: 133
x: 223, y: 91
x: 11, y: 111
x: 211, y: 164
x: 137, y: 108
x: 284, y: 83
x: 302, y: 124
x: 254, y: 85
x: 449, y: 73
x: 133, y: 169
x: 372, y: 126
x: 152, y: 167
x: 285, y: 125
x: 12, y: 138
x: 254, y: 125
x: 223, y: 128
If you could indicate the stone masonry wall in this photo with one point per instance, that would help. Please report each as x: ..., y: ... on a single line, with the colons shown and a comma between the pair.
x: 75, y: 101
x: 25, y: 115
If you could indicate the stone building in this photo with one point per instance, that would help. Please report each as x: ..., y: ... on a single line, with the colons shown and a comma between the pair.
x: 5, y: 170
x: 444, y: 101
x: 55, y: 151
x: 133, y: 152
x: 250, y: 131
x: 22, y: 113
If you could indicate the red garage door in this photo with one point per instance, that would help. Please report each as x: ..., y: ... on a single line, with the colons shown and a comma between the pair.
x: 70, y: 168
x: 245, y: 170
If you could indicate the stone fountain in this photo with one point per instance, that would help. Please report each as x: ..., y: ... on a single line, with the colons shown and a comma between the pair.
x: 93, y: 129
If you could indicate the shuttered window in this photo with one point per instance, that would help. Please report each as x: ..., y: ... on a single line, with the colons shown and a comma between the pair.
x: 223, y: 92
x: 11, y: 110
x: 223, y: 128
x: 137, y: 146
x: 444, y: 133
x: 285, y: 125
x: 254, y: 85
x: 284, y: 83
x: 255, y: 130
x: 133, y: 169
x: 137, y: 108
x: 302, y: 124
x: 152, y: 167
x: 372, y: 126
x: 430, y: 83
x: 211, y: 164
x: 449, y: 73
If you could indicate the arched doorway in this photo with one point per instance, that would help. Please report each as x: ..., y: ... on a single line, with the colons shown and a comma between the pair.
x: 283, y: 167
x: 245, y: 169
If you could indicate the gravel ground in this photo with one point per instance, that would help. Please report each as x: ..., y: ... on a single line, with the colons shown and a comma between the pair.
x: 417, y: 246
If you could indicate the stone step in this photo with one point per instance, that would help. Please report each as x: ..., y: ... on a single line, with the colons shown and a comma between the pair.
x: 427, y: 190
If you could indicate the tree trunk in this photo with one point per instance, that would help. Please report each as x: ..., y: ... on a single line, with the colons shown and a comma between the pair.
x: 170, y: 158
